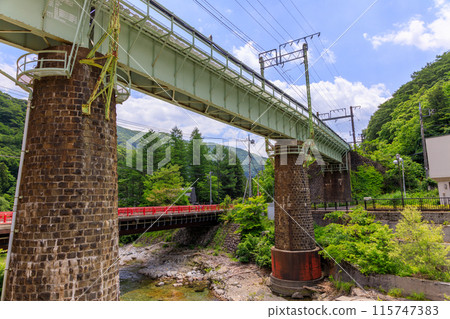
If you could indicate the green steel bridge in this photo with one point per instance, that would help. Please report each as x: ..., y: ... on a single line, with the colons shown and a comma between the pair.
x: 162, y: 56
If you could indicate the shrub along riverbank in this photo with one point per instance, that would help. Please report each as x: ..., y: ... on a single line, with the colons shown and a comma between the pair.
x: 415, y: 249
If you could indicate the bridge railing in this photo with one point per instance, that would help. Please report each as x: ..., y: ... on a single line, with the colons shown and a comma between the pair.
x: 6, y: 217
x: 386, y: 204
x: 161, y: 210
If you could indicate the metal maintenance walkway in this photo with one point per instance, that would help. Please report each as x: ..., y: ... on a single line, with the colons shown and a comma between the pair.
x: 164, y: 57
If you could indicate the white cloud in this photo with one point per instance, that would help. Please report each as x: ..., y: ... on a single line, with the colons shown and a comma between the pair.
x: 416, y: 32
x: 248, y: 55
x: 342, y: 93
x: 6, y: 84
x: 328, y: 56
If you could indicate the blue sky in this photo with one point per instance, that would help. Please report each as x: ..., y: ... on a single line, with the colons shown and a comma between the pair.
x: 365, y: 63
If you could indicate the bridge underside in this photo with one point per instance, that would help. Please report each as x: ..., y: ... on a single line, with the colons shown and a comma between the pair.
x: 165, y: 58
x: 141, y: 224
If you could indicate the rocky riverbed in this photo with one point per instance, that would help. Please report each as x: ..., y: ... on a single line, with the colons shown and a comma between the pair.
x: 164, y: 271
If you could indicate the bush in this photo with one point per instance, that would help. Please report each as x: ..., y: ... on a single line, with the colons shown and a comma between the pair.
x: 257, y: 249
x: 395, y: 292
x: 366, y: 181
x: 361, y: 242
x: 249, y: 216
x: 415, y: 249
x: 419, y: 247
x: 342, y: 286
x: 2, y: 267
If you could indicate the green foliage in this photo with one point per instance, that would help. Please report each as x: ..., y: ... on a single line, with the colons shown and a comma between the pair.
x: 417, y: 296
x: 419, y: 247
x: 342, y: 286
x: 257, y: 249
x: 5, y: 206
x: 395, y: 127
x: 126, y: 239
x: 257, y: 231
x: 246, y: 248
x: 266, y: 180
x: 421, y: 82
x: 249, y: 216
x: 415, y: 249
x: 165, y: 187
x: 395, y: 292
x: 366, y: 181
x: 362, y: 242
x: 2, y: 267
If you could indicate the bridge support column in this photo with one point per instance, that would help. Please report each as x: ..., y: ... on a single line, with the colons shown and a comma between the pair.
x: 65, y: 245
x: 295, y: 259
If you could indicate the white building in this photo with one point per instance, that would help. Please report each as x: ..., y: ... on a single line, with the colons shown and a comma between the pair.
x: 438, y: 149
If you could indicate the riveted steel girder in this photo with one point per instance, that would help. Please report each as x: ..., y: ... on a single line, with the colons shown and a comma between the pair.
x: 169, y: 60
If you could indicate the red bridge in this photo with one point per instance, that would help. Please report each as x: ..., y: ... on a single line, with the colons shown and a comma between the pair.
x: 134, y: 220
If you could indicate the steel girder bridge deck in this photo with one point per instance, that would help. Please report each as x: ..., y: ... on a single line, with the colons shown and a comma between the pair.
x: 162, y: 56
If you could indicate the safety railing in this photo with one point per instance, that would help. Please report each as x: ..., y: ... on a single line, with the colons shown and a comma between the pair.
x: 166, y: 210
x: 36, y: 65
x: 390, y: 204
x: 6, y: 217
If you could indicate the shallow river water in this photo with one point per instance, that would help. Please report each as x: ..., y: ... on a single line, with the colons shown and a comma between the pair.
x: 137, y: 287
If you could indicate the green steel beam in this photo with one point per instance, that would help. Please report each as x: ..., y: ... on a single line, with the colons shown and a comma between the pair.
x: 166, y: 58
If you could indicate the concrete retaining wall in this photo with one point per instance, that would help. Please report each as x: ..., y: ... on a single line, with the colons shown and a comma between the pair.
x: 433, y: 290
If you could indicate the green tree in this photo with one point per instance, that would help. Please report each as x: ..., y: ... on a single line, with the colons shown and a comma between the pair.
x: 6, y: 179
x: 204, y: 190
x: 266, y: 180
x: 419, y: 247
x: 5, y: 206
x: 165, y: 187
x: 179, y: 151
x: 366, y: 181
x: 199, y: 165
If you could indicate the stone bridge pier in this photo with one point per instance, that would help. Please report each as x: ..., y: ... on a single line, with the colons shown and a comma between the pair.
x: 295, y: 259
x: 66, y: 237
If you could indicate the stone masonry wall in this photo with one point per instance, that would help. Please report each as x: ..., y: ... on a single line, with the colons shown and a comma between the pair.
x: 66, y: 240
x: 293, y: 220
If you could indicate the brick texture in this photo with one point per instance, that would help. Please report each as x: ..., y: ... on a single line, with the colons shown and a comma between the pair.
x: 293, y: 220
x: 66, y: 240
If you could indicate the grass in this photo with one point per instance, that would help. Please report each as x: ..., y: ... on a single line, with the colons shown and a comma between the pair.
x: 395, y: 292
x: 417, y: 296
x: 342, y: 286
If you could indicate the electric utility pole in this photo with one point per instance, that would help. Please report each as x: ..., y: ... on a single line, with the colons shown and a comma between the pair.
x: 424, y: 145
x: 250, y: 142
x: 352, y: 115
x: 283, y: 55
x: 210, y: 188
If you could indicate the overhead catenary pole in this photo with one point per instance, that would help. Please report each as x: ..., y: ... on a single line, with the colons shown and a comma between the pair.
x: 308, y: 91
x: 424, y: 145
x: 353, y: 127
x: 249, y: 167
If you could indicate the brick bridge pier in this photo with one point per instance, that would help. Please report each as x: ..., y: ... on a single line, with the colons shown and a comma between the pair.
x: 66, y: 239
x: 295, y: 259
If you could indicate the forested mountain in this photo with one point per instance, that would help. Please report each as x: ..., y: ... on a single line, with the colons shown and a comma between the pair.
x: 395, y: 127
x: 124, y: 134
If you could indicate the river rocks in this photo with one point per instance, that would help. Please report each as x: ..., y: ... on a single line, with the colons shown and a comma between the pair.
x: 161, y: 283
